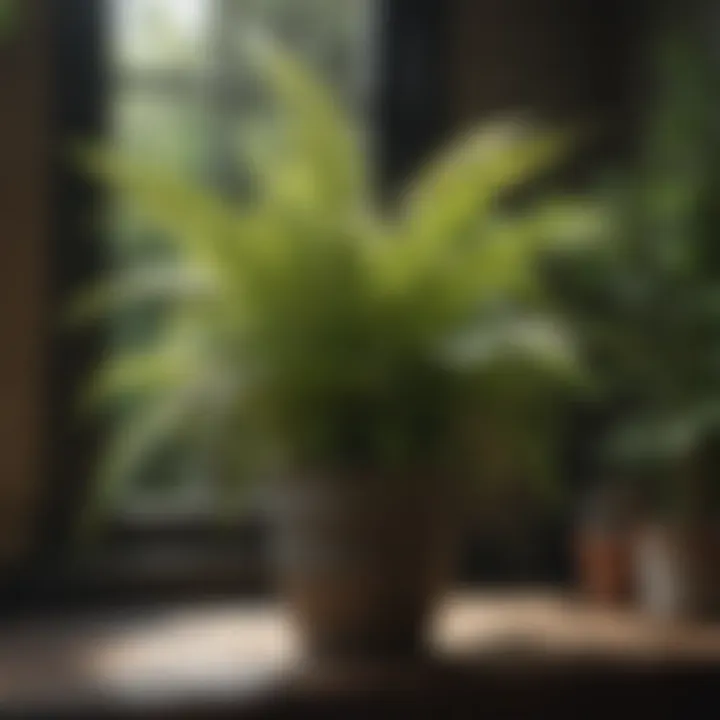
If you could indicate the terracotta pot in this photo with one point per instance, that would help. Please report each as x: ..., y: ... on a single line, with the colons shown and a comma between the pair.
x: 362, y: 568
x: 604, y: 565
x: 603, y: 546
x: 676, y: 571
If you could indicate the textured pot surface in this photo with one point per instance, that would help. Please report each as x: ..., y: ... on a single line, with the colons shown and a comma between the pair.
x: 362, y: 566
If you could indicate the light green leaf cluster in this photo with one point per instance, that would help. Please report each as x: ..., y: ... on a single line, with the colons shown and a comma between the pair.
x: 308, y: 329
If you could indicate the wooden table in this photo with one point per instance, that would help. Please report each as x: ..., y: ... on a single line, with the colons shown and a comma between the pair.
x: 528, y: 653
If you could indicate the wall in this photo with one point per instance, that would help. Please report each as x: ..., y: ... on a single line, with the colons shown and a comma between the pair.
x: 24, y: 213
x: 564, y: 60
x: 569, y: 62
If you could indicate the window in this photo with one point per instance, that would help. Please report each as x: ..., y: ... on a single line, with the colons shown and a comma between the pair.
x: 177, y: 92
x: 168, y: 78
x: 181, y: 95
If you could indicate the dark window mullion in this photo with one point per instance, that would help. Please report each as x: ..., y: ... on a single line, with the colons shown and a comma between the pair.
x: 79, y: 90
x: 220, y: 81
x: 411, y: 92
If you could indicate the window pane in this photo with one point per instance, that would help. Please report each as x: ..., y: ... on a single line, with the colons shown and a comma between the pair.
x: 160, y: 34
x: 160, y: 129
x: 333, y: 36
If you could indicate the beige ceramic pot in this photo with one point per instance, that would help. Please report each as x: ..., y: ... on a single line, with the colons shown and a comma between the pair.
x: 676, y: 571
x: 362, y: 565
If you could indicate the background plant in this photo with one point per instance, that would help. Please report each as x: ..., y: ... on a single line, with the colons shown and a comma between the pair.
x: 647, y: 300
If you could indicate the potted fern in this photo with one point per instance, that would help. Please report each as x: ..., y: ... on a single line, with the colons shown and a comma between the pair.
x: 646, y: 305
x: 358, y: 360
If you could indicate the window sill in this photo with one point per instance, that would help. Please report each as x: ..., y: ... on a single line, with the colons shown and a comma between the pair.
x: 155, y: 565
x: 521, y: 653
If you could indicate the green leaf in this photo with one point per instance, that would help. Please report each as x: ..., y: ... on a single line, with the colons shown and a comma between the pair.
x: 324, y: 160
x: 138, y: 288
x: 506, y: 339
x: 194, y: 219
x: 459, y: 188
x: 127, y: 452
x: 143, y: 374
